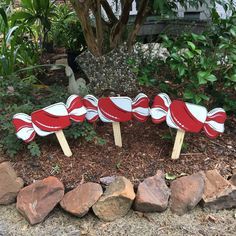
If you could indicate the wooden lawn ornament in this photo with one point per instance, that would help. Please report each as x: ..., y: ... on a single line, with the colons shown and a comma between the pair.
x: 51, y: 119
x: 183, y: 116
x: 116, y: 110
x: 186, y: 117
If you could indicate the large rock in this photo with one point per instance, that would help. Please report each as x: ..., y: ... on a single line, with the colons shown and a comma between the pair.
x: 10, y: 184
x: 37, y: 200
x: 79, y: 200
x: 153, y: 194
x: 116, y: 201
x: 186, y: 193
x: 219, y: 193
x: 233, y: 178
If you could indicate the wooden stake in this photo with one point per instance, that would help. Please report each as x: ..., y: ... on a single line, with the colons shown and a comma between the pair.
x: 63, y: 142
x: 178, y: 144
x: 117, y: 134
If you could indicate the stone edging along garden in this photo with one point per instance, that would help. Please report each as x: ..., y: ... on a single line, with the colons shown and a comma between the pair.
x: 38, y: 199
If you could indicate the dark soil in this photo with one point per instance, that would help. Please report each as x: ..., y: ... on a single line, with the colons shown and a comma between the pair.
x: 146, y: 148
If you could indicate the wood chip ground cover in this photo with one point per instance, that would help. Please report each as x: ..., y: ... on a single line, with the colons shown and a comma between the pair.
x: 146, y: 148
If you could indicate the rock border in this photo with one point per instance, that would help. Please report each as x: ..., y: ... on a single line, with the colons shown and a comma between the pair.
x: 35, y: 201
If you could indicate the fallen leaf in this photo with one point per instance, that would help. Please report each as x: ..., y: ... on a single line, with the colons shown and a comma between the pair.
x: 211, y: 218
x: 170, y: 176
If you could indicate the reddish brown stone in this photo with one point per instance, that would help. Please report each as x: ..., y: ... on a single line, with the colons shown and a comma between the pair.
x: 219, y: 193
x: 186, y: 192
x: 79, y: 200
x: 10, y: 185
x: 37, y: 200
x: 116, y: 201
x: 233, y: 179
x: 153, y: 194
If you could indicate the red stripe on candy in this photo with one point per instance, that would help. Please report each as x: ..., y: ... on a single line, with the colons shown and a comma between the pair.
x: 112, y: 112
x: 183, y: 118
x: 76, y: 104
x: 48, y: 122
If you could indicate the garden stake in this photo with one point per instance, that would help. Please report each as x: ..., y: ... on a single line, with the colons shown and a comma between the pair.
x: 178, y: 144
x: 49, y: 120
x: 183, y: 116
x: 186, y: 117
x: 63, y: 143
x: 117, y: 133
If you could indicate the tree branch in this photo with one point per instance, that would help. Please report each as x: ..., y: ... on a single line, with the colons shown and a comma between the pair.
x: 118, y: 29
x: 82, y: 10
x: 140, y: 18
x: 110, y: 14
x: 99, y: 25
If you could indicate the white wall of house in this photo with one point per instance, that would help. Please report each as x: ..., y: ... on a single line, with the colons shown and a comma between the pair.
x: 117, y: 8
x: 204, y: 14
x: 222, y: 12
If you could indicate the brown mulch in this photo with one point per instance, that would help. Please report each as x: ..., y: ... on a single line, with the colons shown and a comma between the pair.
x: 146, y: 148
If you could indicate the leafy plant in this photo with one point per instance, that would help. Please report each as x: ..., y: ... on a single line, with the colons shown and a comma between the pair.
x: 205, y: 65
x: 190, y: 65
x: 38, y: 13
x: 200, y: 68
x: 67, y: 30
x: 170, y: 176
x: 34, y: 149
x: 16, y: 48
x: 56, y: 169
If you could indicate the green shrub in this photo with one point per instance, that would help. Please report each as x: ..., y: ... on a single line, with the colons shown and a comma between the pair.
x: 67, y: 31
x: 38, y: 13
x: 18, y: 46
x: 200, y: 68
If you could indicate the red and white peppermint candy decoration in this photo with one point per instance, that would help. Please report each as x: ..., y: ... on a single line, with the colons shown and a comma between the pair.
x: 140, y: 107
x: 43, y: 122
x: 115, y: 109
x: 75, y: 108
x: 188, y: 117
x: 122, y: 109
x: 160, y: 108
x: 91, y: 105
x: 24, y: 127
x: 49, y: 119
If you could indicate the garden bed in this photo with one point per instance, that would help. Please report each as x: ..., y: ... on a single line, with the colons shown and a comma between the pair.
x: 146, y: 148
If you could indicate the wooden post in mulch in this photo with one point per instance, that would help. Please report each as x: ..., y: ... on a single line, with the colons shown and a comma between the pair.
x: 117, y: 133
x: 63, y: 143
x: 178, y: 144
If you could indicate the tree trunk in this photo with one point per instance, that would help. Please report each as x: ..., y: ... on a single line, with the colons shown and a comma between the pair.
x: 140, y: 18
x: 82, y: 10
x: 99, y: 26
x: 95, y: 36
x: 118, y: 29
x: 110, y: 14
